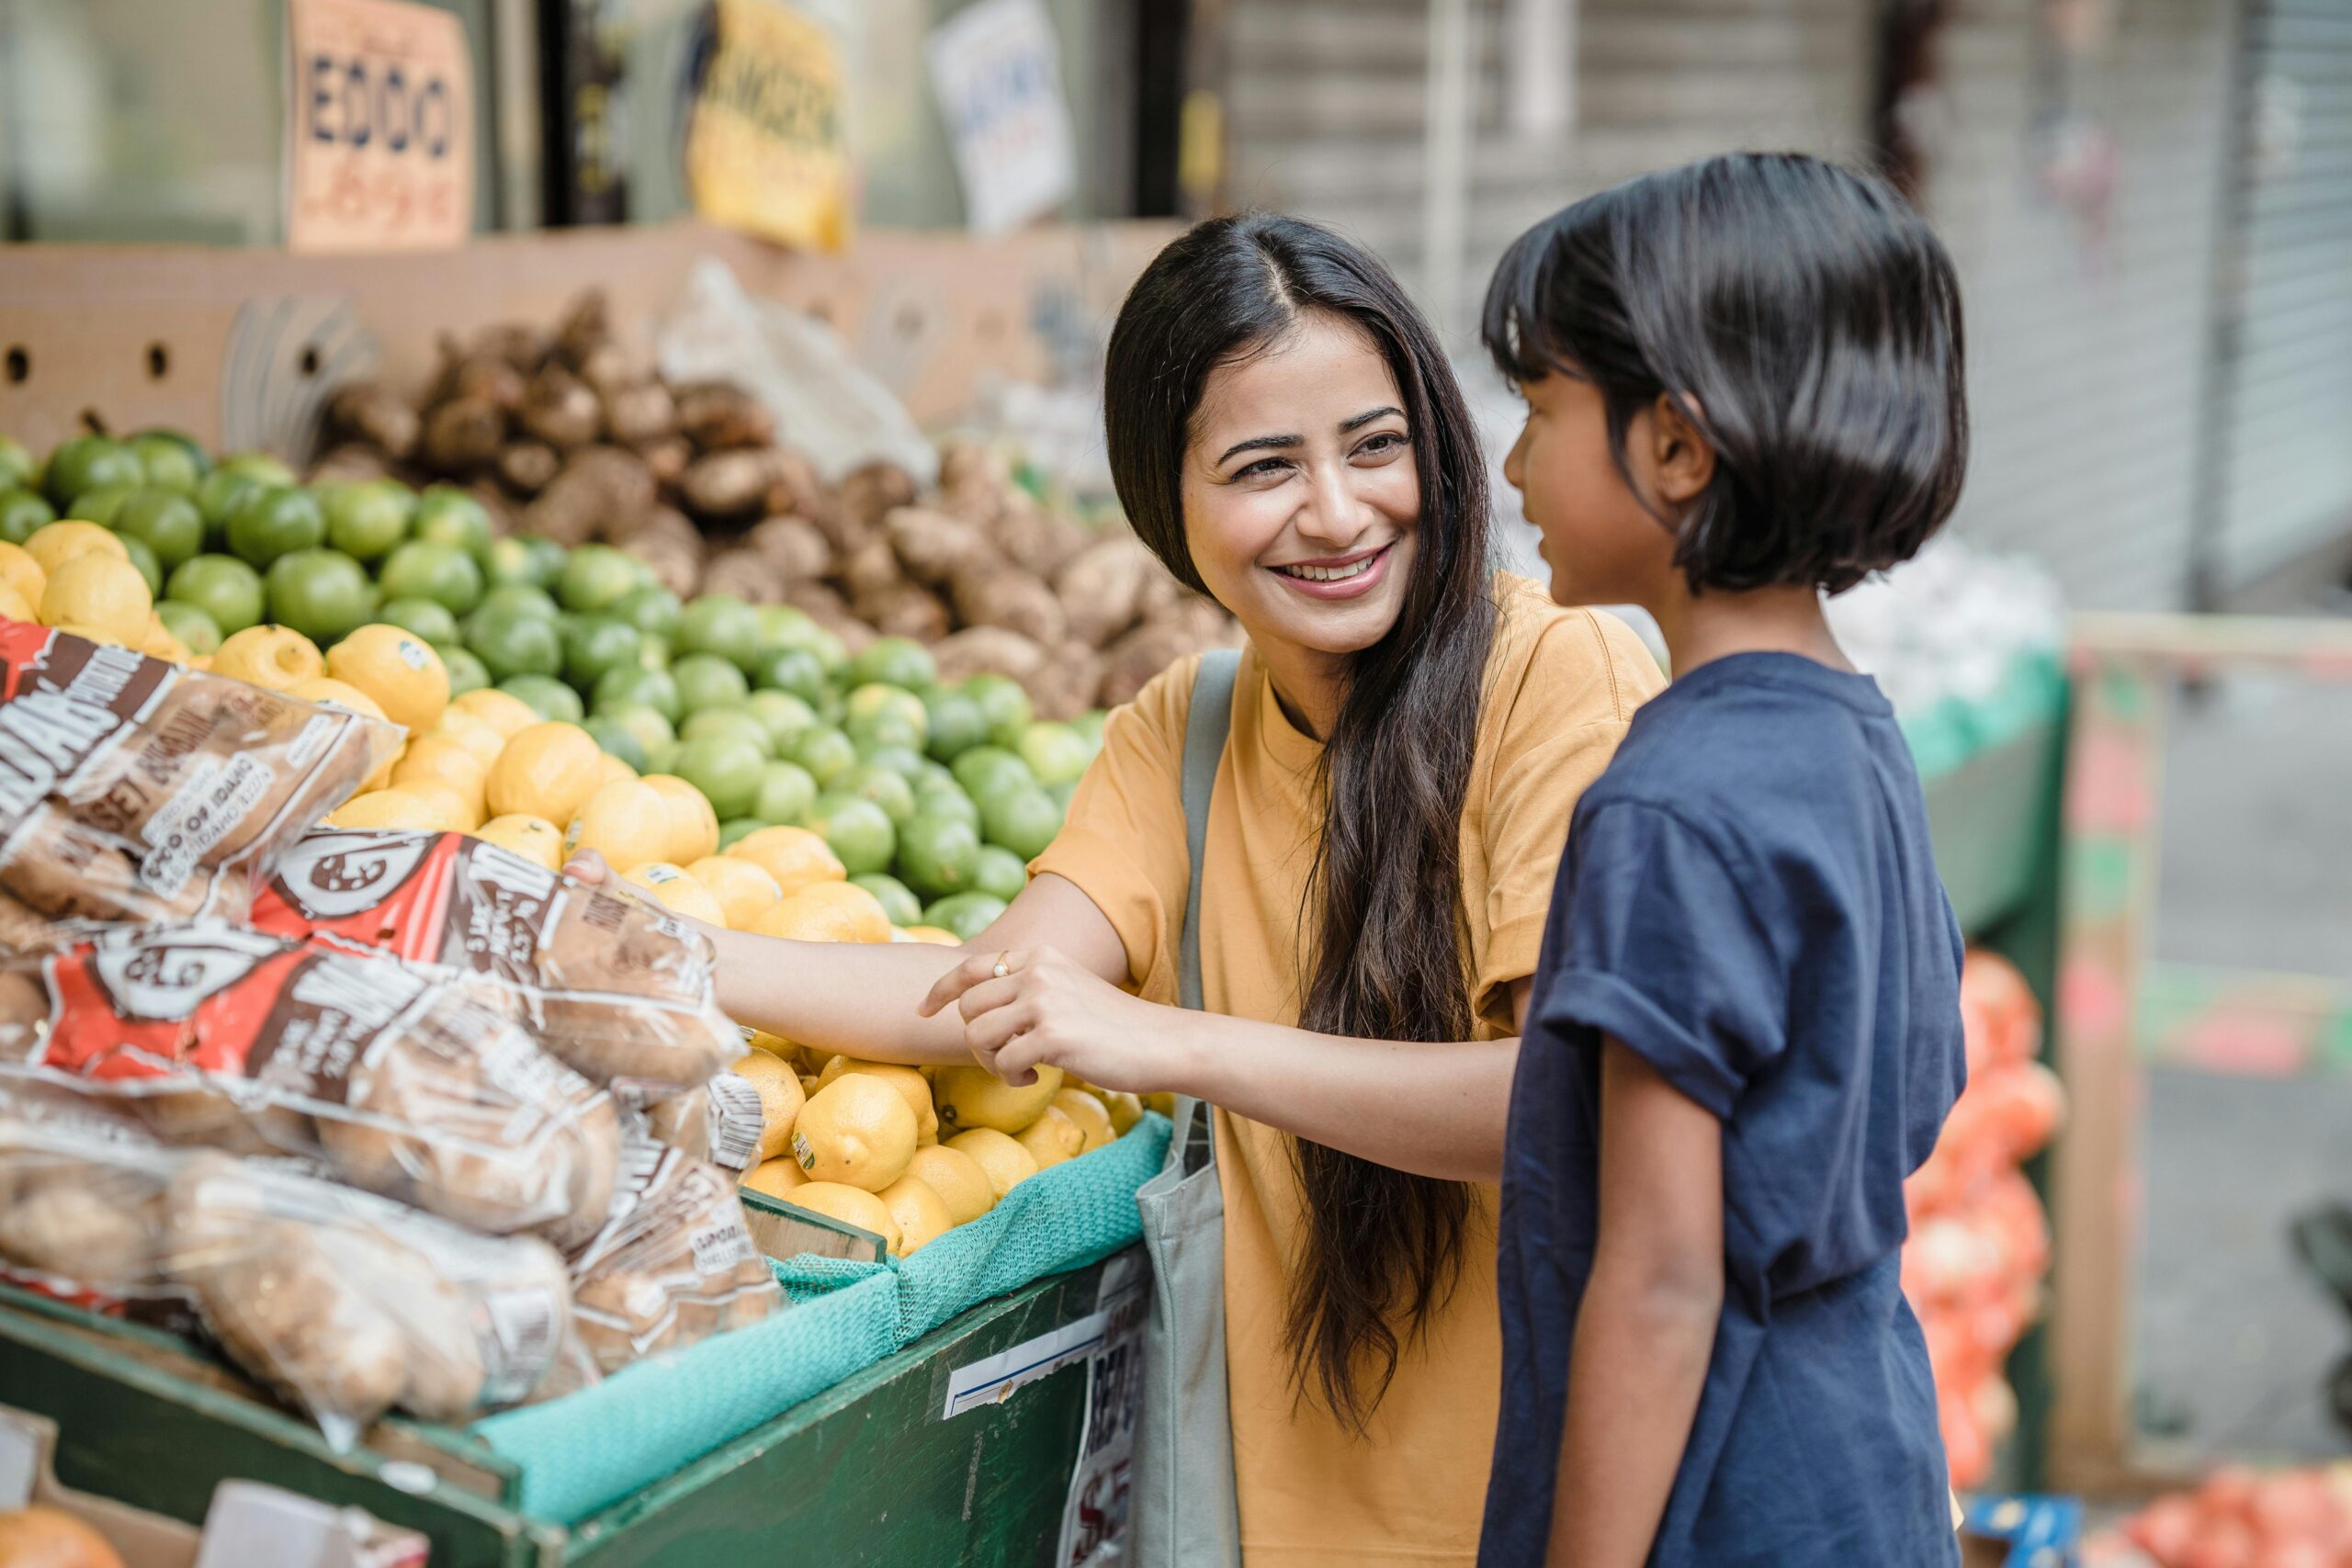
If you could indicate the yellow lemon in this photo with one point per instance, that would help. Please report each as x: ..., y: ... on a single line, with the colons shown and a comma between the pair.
x: 1006, y: 1164
x: 913, y: 1087
x: 547, y: 770
x: 780, y: 1099
x: 826, y: 911
x: 958, y: 1180
x: 1052, y: 1138
x: 856, y: 1130
x: 776, y: 1045
x: 627, y: 822
x: 741, y: 888
x: 675, y: 891
x: 1093, y: 1117
x: 932, y: 935
x: 776, y: 1177
x: 55, y: 544
x: 920, y: 1214
x: 1160, y: 1101
x: 851, y: 1205
x: 507, y: 715
x: 434, y: 758
x: 387, y: 808
x: 481, y: 742
x: 974, y: 1097
x: 536, y: 839
x: 351, y: 699
x: 793, y: 856
x: 101, y: 591
x: 398, y: 668
x: 1126, y: 1111
x: 453, y: 813
x: 615, y: 770
x: 276, y: 657
x: 695, y: 824
x: 12, y: 606
x: 20, y: 572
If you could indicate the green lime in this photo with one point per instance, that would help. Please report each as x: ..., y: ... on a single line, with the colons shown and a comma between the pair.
x: 173, y: 461
x: 1088, y: 726
x: 964, y: 914
x: 1062, y: 793
x: 1023, y: 820
x: 706, y: 680
x: 594, y: 577
x: 736, y: 829
x: 1004, y: 702
x: 466, y: 672
x: 144, y: 557
x: 985, y: 771
x: 87, y: 462
x: 957, y: 723
x: 225, y: 588
x: 190, y: 625
x: 523, y: 558
x: 1055, y: 752
x: 658, y: 759
x: 653, y: 650
x: 786, y: 792
x: 220, y: 493
x: 513, y: 645
x: 652, y: 609
x: 367, y: 520
x: 939, y: 855
x: 547, y: 697
x: 324, y: 594
x: 826, y: 753
x: 449, y: 517
x: 784, y: 716
x: 269, y: 472
x: 948, y: 800
x: 792, y: 670
x: 427, y: 618
x: 15, y: 464
x: 894, y: 662
x: 726, y: 768
x: 1000, y: 873
x: 273, y: 523
x: 428, y: 568
x: 167, y: 520
x: 737, y: 723
x: 22, y: 513
x: 650, y: 725
x: 623, y: 686
x: 517, y: 601
x: 901, y: 906
x: 903, y: 760
x: 858, y: 831
x: 614, y: 736
x: 883, y: 787
x: 595, y: 646
x: 886, y: 715
x: 102, y: 504
x: 787, y: 625
x: 722, y: 625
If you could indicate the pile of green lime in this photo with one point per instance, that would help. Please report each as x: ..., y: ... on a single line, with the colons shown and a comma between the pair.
x: 935, y: 795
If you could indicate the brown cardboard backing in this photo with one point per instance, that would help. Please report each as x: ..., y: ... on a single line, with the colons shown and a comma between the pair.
x: 239, y: 348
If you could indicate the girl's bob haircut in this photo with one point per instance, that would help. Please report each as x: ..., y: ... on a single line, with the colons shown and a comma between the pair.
x: 1803, y: 317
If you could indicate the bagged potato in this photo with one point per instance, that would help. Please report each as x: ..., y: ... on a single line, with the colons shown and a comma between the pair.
x: 393, y: 1075
x: 346, y: 1302
x: 133, y: 790
x: 615, y: 988
x: 721, y: 1122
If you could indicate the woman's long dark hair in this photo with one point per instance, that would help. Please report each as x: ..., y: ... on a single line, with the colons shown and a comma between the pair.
x: 1384, y: 1247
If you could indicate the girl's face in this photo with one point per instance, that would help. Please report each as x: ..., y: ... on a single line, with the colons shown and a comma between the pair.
x: 1602, y: 544
x: 1302, y: 498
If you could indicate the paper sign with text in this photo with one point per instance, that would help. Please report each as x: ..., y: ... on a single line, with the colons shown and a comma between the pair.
x: 766, y: 151
x: 379, y: 128
x: 998, y: 72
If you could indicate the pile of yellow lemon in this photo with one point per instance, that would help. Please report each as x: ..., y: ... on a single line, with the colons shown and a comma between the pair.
x: 76, y: 576
x: 861, y: 1140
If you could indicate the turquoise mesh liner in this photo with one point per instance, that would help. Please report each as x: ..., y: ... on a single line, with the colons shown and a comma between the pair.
x: 590, y: 1449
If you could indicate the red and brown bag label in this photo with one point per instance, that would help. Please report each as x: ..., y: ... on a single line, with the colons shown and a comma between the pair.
x: 60, y: 703
x: 431, y: 898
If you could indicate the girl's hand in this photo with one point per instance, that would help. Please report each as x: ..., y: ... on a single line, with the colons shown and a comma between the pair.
x: 1034, y: 1006
x: 588, y: 866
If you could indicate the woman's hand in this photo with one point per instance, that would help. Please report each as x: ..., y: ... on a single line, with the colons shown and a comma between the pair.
x: 588, y: 866
x: 1036, y: 1005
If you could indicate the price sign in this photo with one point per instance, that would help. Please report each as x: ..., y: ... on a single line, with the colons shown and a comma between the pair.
x: 380, y: 128
x: 767, y: 152
x: 998, y: 73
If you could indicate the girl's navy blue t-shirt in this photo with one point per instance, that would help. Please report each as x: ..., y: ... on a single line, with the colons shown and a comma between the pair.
x: 1748, y: 900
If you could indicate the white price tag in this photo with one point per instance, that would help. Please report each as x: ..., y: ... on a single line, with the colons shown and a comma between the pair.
x: 996, y: 70
x: 1094, y: 1516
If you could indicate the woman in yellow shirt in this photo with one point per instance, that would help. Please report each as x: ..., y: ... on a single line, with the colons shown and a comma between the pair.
x: 1410, y: 731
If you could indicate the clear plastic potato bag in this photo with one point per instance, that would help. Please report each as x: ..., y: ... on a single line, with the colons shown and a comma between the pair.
x: 390, y: 1074
x: 133, y: 790
x: 617, y: 989
x: 347, y: 1303
x: 721, y: 1122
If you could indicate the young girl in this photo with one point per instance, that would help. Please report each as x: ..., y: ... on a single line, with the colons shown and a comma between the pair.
x: 1744, y: 391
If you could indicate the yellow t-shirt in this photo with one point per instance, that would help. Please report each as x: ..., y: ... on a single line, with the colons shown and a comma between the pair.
x: 1561, y: 685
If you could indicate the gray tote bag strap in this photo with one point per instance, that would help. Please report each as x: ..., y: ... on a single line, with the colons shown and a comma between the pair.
x: 1184, y: 1513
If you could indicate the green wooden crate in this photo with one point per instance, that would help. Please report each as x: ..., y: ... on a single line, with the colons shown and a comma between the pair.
x: 868, y: 1472
x: 1992, y: 821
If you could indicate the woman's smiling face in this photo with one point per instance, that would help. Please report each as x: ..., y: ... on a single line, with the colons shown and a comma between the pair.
x: 1302, y: 496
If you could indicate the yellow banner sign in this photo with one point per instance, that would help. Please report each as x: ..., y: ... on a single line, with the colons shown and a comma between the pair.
x: 766, y: 151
